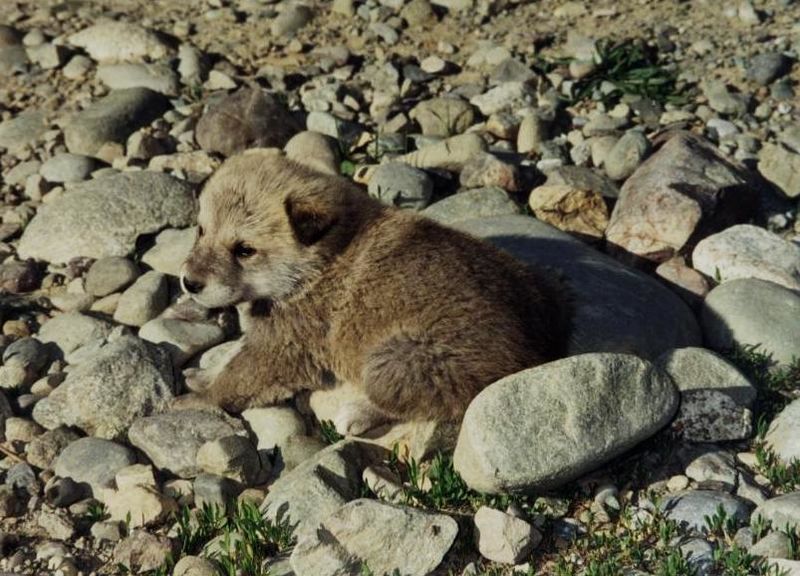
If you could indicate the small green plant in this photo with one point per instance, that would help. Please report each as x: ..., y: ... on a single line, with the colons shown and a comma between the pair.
x: 776, y: 386
x: 328, y: 432
x: 628, y: 67
x: 782, y: 477
x: 720, y: 524
x: 96, y: 512
x: 759, y: 526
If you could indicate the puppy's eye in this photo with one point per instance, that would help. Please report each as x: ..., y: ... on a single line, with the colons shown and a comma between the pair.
x: 243, y: 250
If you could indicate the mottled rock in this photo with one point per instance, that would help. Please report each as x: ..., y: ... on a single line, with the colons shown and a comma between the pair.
x: 750, y: 312
x: 712, y: 416
x: 156, y: 77
x: 443, y: 117
x: 485, y: 170
x: 558, y: 405
x: 477, y: 203
x: 451, y: 154
x: 580, y: 211
x: 67, y: 168
x: 93, y: 463
x: 144, y: 300
x: 142, y: 552
x: 683, y: 192
x: 781, y: 167
x: 402, y: 186
x: 22, y: 130
x: 111, y: 41
x: 104, y: 217
x: 503, y: 538
x: 357, y: 534
x: 273, y: 426
x: 68, y: 332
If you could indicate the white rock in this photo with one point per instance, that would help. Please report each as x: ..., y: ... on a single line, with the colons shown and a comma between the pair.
x: 503, y: 538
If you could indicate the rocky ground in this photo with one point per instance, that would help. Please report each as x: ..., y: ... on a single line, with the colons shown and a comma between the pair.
x: 649, y: 149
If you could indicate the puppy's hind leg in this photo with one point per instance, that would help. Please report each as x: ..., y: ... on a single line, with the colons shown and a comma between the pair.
x: 414, y: 378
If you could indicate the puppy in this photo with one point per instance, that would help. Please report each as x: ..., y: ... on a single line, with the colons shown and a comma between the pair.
x: 416, y: 316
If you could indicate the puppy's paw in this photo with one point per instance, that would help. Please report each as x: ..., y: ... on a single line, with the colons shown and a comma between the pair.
x: 197, y: 380
x: 356, y: 418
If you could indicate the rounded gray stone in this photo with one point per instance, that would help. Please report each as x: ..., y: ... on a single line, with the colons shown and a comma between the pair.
x: 545, y: 426
x: 70, y: 331
x: 104, y: 217
x: 470, y: 204
x: 783, y: 435
x: 783, y: 511
x: 751, y: 312
x: 626, y: 155
x: 93, y: 462
x: 689, y: 508
x: 402, y: 186
x: 109, y: 275
x: 68, y: 168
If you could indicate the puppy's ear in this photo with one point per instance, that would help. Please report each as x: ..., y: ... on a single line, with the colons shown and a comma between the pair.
x: 311, y: 219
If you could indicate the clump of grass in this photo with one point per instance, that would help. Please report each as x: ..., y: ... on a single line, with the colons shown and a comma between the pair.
x: 777, y: 386
x: 247, y: 538
x: 96, y: 512
x: 782, y: 477
x: 328, y: 432
x: 630, y: 68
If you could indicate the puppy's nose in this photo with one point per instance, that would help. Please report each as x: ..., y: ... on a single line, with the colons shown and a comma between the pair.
x: 191, y: 286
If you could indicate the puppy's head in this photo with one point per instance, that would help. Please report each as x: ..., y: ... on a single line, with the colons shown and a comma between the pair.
x: 266, y: 227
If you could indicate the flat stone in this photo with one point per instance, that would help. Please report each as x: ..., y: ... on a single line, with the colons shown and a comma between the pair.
x: 579, y: 211
x: 712, y: 416
x: 547, y: 425
x: 171, y: 440
x: 689, y: 508
x: 126, y: 379
x: 22, y: 130
x: 93, y: 462
x: 503, y: 538
x: 674, y: 194
x: 112, y: 119
x: 470, y: 204
x: 108, y: 275
x: 171, y: 250
x: 443, y: 117
x: 781, y: 167
x: 248, y: 118
x: 626, y: 155
x: 747, y: 251
x: 505, y: 96
x: 120, y: 42
x: 233, y: 457
x: 104, y: 217
x: 583, y: 178
x: 357, y: 534
x: 701, y: 369
x: 751, y: 312
x: 144, y: 300
x: 713, y: 466
x: 614, y: 304
x: 274, y: 425
x: 318, y: 487
x: 142, y: 552
x: 783, y: 433
x: 69, y: 332
x: 316, y: 151
x: 773, y: 545
x: 156, y: 77
x: 182, y: 339
x: 451, y: 154
x: 137, y: 505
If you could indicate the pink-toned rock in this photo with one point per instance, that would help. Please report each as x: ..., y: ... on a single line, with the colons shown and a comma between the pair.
x: 686, y: 282
x: 681, y: 194
x: 485, y: 170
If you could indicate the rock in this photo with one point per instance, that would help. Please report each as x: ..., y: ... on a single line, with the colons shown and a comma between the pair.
x: 48, y: 56
x: 126, y: 379
x: 557, y: 405
x: 701, y: 369
x: 298, y: 449
x: 357, y: 534
x: 69, y: 332
x: 533, y: 130
x: 104, y: 217
x: 194, y: 566
x: 602, y: 288
x: 785, y: 567
x: 505, y: 96
x: 10, y: 503
x: 418, y: 13
x: 713, y: 466
x: 274, y: 425
x: 747, y: 251
x: 20, y: 173
x: 402, y: 186
x: 77, y: 68
x: 686, y: 282
x: 751, y: 312
x: 783, y: 433
x: 443, y: 117
x: 108, y: 275
x: 451, y: 154
x: 56, y: 526
x: 196, y: 165
x: 232, y: 457
x: 43, y: 450
x: 503, y: 538
x: 13, y: 60
x: 318, y: 487
x: 689, y: 508
x: 580, y: 211
x: 138, y: 506
x: 712, y: 416
x: 684, y: 189
x: 213, y: 490
x: 477, y: 203
x: 111, y: 41
x: 248, y: 118
x: 23, y: 130
x: 773, y: 545
x: 487, y: 170
x: 170, y: 251
x: 781, y: 167
x: 722, y: 100
x: 626, y: 155
x: 171, y: 440
x: 67, y: 168
x: 142, y: 552
x: 112, y: 119
x: 182, y: 339
x: 9, y: 36
x: 292, y: 19
x: 135, y: 475
x: 420, y: 440
x: 783, y: 511
x: 18, y: 277
x: 316, y: 151
x: 584, y: 179
x: 156, y: 77
x: 144, y: 300
x: 192, y: 65
x: 93, y: 463
x: 766, y: 67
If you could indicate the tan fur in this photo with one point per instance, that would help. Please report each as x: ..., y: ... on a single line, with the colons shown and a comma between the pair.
x: 417, y: 316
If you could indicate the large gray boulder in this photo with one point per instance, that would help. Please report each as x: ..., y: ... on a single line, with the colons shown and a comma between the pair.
x: 389, y: 539
x: 127, y: 379
x: 783, y: 436
x: 618, y: 309
x: 542, y: 427
x: 751, y: 312
x: 104, y: 217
